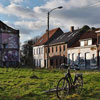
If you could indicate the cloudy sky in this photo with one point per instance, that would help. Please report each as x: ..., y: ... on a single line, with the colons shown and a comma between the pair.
x: 30, y: 16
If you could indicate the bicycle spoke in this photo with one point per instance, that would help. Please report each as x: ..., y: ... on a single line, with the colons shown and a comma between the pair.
x: 78, y: 85
x: 62, y: 89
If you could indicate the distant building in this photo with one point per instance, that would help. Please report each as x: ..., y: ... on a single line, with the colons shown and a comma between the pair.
x: 98, y: 47
x: 75, y: 47
x: 39, y: 47
x: 78, y: 46
x: 83, y: 51
x: 59, y: 48
x: 9, y: 45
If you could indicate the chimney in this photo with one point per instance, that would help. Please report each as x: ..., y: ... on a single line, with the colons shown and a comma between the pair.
x: 71, y: 28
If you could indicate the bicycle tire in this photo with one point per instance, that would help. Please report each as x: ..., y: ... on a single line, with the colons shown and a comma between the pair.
x: 78, y: 84
x: 62, y: 89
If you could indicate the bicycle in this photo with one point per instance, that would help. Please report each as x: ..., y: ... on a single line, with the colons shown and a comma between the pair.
x: 67, y: 84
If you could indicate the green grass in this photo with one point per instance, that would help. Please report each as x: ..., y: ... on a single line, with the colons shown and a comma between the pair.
x: 28, y: 84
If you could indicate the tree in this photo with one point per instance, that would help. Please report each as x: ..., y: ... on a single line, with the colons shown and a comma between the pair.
x: 27, y: 51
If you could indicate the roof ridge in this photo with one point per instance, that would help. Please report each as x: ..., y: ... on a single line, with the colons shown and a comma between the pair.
x: 2, y: 23
x: 51, y: 32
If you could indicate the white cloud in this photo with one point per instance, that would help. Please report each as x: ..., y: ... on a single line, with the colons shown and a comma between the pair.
x: 30, y: 24
x: 74, y: 12
x: 16, y: 1
x: 17, y: 10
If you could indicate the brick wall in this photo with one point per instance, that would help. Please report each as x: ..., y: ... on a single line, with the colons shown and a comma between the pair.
x: 57, y: 55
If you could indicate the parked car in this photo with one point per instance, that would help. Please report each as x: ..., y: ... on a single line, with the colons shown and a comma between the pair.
x: 64, y: 66
x: 73, y: 66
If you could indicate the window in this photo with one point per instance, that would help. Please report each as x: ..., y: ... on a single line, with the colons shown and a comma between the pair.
x: 36, y: 62
x: 45, y: 63
x: 63, y: 47
x: 82, y: 43
x: 89, y: 42
x: 40, y: 62
x: 48, y: 50
x: 68, y: 58
x: 34, y: 51
x: 79, y: 57
x: 56, y: 48
x: 60, y: 48
x: 39, y: 50
x: 73, y: 57
x: 85, y: 43
x: 93, y: 59
x: 52, y: 49
x: 98, y: 39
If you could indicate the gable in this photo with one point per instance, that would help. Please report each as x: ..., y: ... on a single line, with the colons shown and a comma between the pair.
x: 43, y: 40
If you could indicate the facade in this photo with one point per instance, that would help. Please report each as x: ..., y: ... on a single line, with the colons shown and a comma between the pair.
x: 58, y: 48
x: 38, y: 53
x: 57, y: 55
x: 84, y: 51
x: 80, y: 46
x: 39, y: 47
x: 98, y: 47
x: 9, y: 45
x: 85, y: 57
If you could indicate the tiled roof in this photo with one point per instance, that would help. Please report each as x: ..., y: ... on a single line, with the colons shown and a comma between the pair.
x: 90, y: 34
x: 65, y: 37
x: 44, y: 38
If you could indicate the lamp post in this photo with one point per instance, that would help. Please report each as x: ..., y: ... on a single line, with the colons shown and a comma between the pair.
x: 48, y: 32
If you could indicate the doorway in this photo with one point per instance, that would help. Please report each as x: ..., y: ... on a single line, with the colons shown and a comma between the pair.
x: 87, y: 60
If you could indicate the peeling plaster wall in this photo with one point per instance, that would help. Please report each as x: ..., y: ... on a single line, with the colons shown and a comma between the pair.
x: 90, y: 50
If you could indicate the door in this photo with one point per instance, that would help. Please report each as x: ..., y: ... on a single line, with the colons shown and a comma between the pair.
x: 87, y: 60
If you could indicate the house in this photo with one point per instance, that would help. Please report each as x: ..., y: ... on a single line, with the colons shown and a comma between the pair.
x: 98, y: 47
x: 38, y: 48
x: 9, y: 45
x: 59, y: 48
x: 84, y: 50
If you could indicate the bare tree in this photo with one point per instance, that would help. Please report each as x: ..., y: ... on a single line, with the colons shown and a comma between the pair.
x: 27, y: 51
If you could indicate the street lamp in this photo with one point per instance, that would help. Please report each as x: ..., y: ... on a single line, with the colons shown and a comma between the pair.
x: 48, y: 31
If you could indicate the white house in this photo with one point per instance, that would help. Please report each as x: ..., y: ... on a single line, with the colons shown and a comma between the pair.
x: 84, y: 51
x: 38, y: 55
x: 38, y: 48
x: 85, y: 56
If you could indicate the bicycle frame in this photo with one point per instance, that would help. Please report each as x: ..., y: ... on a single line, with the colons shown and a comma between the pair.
x: 69, y: 78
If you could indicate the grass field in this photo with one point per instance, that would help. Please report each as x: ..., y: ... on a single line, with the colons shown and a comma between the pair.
x: 28, y: 84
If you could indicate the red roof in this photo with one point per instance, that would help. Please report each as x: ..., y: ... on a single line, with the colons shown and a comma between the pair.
x: 44, y: 38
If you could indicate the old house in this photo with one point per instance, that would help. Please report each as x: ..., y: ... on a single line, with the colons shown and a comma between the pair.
x: 98, y: 47
x: 84, y: 51
x: 9, y: 45
x: 38, y: 48
x: 59, y: 48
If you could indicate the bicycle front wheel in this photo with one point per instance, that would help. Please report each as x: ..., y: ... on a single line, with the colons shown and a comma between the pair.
x: 62, y: 89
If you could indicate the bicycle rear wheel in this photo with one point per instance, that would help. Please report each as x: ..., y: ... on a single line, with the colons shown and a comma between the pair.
x: 78, y: 85
x: 62, y: 89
